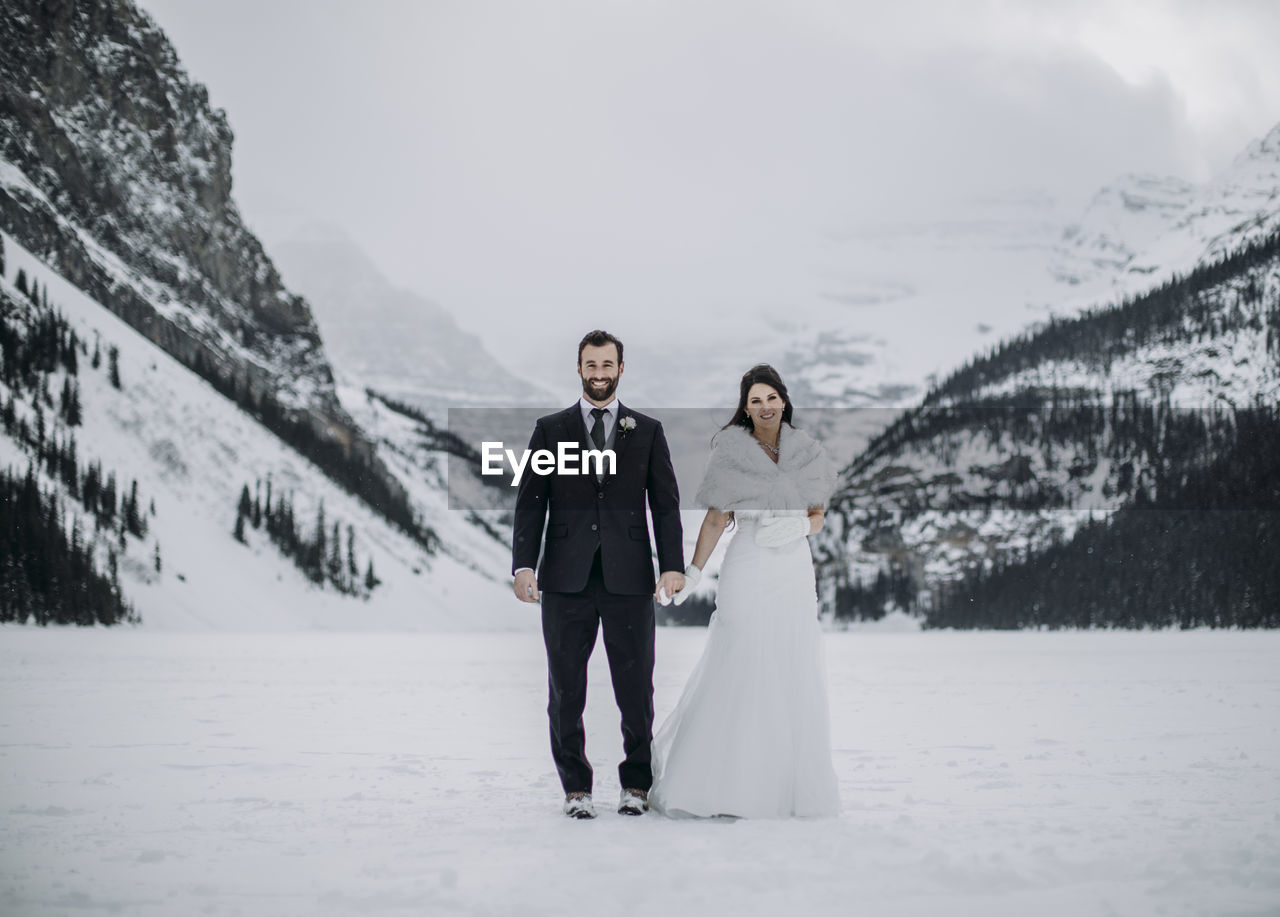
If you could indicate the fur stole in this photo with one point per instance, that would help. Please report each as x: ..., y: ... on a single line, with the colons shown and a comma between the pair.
x: 741, y: 476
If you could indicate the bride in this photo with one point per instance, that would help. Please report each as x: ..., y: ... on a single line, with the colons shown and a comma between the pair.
x: 750, y: 735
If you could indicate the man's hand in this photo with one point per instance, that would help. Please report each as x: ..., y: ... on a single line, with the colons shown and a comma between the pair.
x: 526, y: 586
x: 669, y: 584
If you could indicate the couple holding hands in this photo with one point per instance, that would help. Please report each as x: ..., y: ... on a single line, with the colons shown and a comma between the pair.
x: 750, y: 735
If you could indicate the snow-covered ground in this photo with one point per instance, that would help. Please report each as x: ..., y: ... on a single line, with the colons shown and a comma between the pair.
x: 161, y: 773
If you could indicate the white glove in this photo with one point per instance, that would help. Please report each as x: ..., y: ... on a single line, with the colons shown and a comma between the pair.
x: 692, y: 576
x: 775, y: 531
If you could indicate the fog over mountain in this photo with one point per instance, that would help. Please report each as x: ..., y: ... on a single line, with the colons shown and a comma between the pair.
x: 390, y: 339
x: 677, y: 172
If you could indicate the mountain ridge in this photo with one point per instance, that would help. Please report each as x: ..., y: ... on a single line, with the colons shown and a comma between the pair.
x: 116, y: 171
x: 1032, y: 442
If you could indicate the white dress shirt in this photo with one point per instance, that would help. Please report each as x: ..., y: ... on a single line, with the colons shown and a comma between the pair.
x: 610, y: 417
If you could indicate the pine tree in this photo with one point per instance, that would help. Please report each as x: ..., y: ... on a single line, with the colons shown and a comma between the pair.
x: 313, y: 553
x: 133, y: 520
x: 271, y: 516
x: 91, y: 487
x: 158, y: 565
x: 320, y: 526
x: 108, y: 499
x: 70, y: 355
x: 70, y: 467
x: 21, y: 282
x: 353, y: 571
x: 335, y: 556
x: 41, y: 430
x: 48, y: 572
x: 113, y: 361
x: 69, y: 403
x: 96, y: 360
x: 370, y: 581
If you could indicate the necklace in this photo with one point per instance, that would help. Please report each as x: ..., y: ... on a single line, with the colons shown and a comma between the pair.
x: 767, y: 446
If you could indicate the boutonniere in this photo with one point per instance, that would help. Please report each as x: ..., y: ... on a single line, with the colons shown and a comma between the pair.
x: 627, y: 424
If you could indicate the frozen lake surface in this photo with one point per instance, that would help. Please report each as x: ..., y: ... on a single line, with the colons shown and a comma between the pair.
x: 997, y: 774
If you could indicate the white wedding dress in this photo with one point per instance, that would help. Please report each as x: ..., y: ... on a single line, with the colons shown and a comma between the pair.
x: 750, y: 735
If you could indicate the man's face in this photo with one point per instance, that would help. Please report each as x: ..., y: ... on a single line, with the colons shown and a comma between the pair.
x: 599, y: 370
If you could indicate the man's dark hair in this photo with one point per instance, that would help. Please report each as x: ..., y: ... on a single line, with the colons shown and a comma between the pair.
x: 599, y: 339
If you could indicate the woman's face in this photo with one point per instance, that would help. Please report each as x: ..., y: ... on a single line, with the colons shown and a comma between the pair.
x: 764, y: 407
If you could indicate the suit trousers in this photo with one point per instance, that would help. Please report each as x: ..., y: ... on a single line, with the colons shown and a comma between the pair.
x: 570, y: 623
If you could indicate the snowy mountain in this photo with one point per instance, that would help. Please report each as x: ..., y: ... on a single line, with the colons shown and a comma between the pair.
x: 1122, y: 220
x: 1167, y: 400
x: 957, y: 476
x: 389, y: 339
x: 192, y: 452
x: 1143, y: 230
x: 890, y: 307
x: 118, y: 173
x: 151, y: 343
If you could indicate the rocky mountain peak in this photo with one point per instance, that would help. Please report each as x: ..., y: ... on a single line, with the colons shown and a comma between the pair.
x: 1264, y: 149
x: 118, y: 171
x: 115, y: 171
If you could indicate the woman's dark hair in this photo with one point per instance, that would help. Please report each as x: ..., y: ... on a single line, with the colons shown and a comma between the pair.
x: 761, y: 372
x: 599, y: 339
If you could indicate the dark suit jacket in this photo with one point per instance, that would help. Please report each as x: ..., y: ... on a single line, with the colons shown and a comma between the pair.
x: 581, y: 515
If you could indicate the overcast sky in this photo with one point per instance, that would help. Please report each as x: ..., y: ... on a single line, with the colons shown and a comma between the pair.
x: 580, y: 158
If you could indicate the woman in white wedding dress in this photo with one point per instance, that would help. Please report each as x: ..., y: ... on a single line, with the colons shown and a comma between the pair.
x: 750, y: 735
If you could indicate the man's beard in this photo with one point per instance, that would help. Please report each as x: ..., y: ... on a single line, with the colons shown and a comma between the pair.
x: 599, y: 394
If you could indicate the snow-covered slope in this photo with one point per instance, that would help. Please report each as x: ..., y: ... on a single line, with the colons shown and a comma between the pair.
x: 920, y: 298
x: 1019, y: 446
x: 1142, y: 230
x: 1122, y: 220
x: 192, y: 450
x: 937, y: 495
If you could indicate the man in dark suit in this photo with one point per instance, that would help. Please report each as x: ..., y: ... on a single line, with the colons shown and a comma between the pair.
x: 597, y: 568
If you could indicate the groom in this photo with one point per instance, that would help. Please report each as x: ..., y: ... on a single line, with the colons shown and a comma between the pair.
x: 597, y: 568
